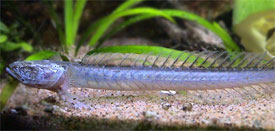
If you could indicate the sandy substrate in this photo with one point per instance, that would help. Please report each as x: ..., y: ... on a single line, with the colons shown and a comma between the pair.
x: 143, y: 109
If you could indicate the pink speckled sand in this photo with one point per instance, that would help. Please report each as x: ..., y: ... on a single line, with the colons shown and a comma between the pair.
x: 211, y: 108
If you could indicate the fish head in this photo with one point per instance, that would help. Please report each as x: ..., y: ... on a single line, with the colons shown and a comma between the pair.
x: 40, y: 74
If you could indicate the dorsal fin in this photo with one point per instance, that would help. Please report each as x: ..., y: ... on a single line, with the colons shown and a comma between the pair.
x: 185, y: 59
x: 199, y: 46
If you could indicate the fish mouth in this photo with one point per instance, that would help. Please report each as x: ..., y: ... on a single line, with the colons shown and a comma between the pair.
x: 10, y: 71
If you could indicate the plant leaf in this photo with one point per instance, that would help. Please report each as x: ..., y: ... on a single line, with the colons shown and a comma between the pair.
x: 127, y: 4
x: 87, y: 34
x: 58, y: 23
x: 41, y: 55
x: 110, y: 19
x: 124, y: 24
x: 68, y: 21
x: 3, y: 38
x: 2, y: 66
x: 252, y: 21
x: 25, y: 46
x: 7, y: 92
x: 228, y: 41
x: 214, y: 27
x: 8, y: 46
x: 11, y: 46
x: 4, y: 28
x: 244, y: 8
x: 79, y: 6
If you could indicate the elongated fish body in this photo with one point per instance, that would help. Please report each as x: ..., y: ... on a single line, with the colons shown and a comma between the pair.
x: 136, y: 72
x: 51, y: 74
x: 148, y: 78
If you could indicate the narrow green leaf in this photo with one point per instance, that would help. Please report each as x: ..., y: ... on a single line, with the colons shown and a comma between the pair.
x: 69, y: 22
x: 124, y: 25
x: 4, y: 28
x: 9, y: 46
x: 25, y: 46
x: 126, y: 5
x: 214, y: 27
x: 228, y: 41
x: 64, y: 58
x: 41, y: 55
x: 2, y: 66
x: 79, y: 6
x: 110, y: 19
x: 3, y: 38
x: 86, y: 35
x: 189, y: 16
x: 7, y: 92
x: 58, y: 23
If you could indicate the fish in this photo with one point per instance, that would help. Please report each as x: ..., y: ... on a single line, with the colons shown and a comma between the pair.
x: 207, y: 70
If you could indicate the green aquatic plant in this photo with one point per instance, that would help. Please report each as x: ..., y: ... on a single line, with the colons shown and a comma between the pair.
x: 7, y: 92
x: 142, y: 13
x: 252, y: 21
x: 72, y: 17
x: 230, y: 45
x: 98, y: 28
x: 10, y: 41
x: 72, y: 14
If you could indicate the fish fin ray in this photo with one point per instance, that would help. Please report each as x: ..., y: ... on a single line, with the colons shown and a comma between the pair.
x: 184, y: 59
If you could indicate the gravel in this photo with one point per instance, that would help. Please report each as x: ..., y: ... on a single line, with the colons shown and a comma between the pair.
x: 201, y: 109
